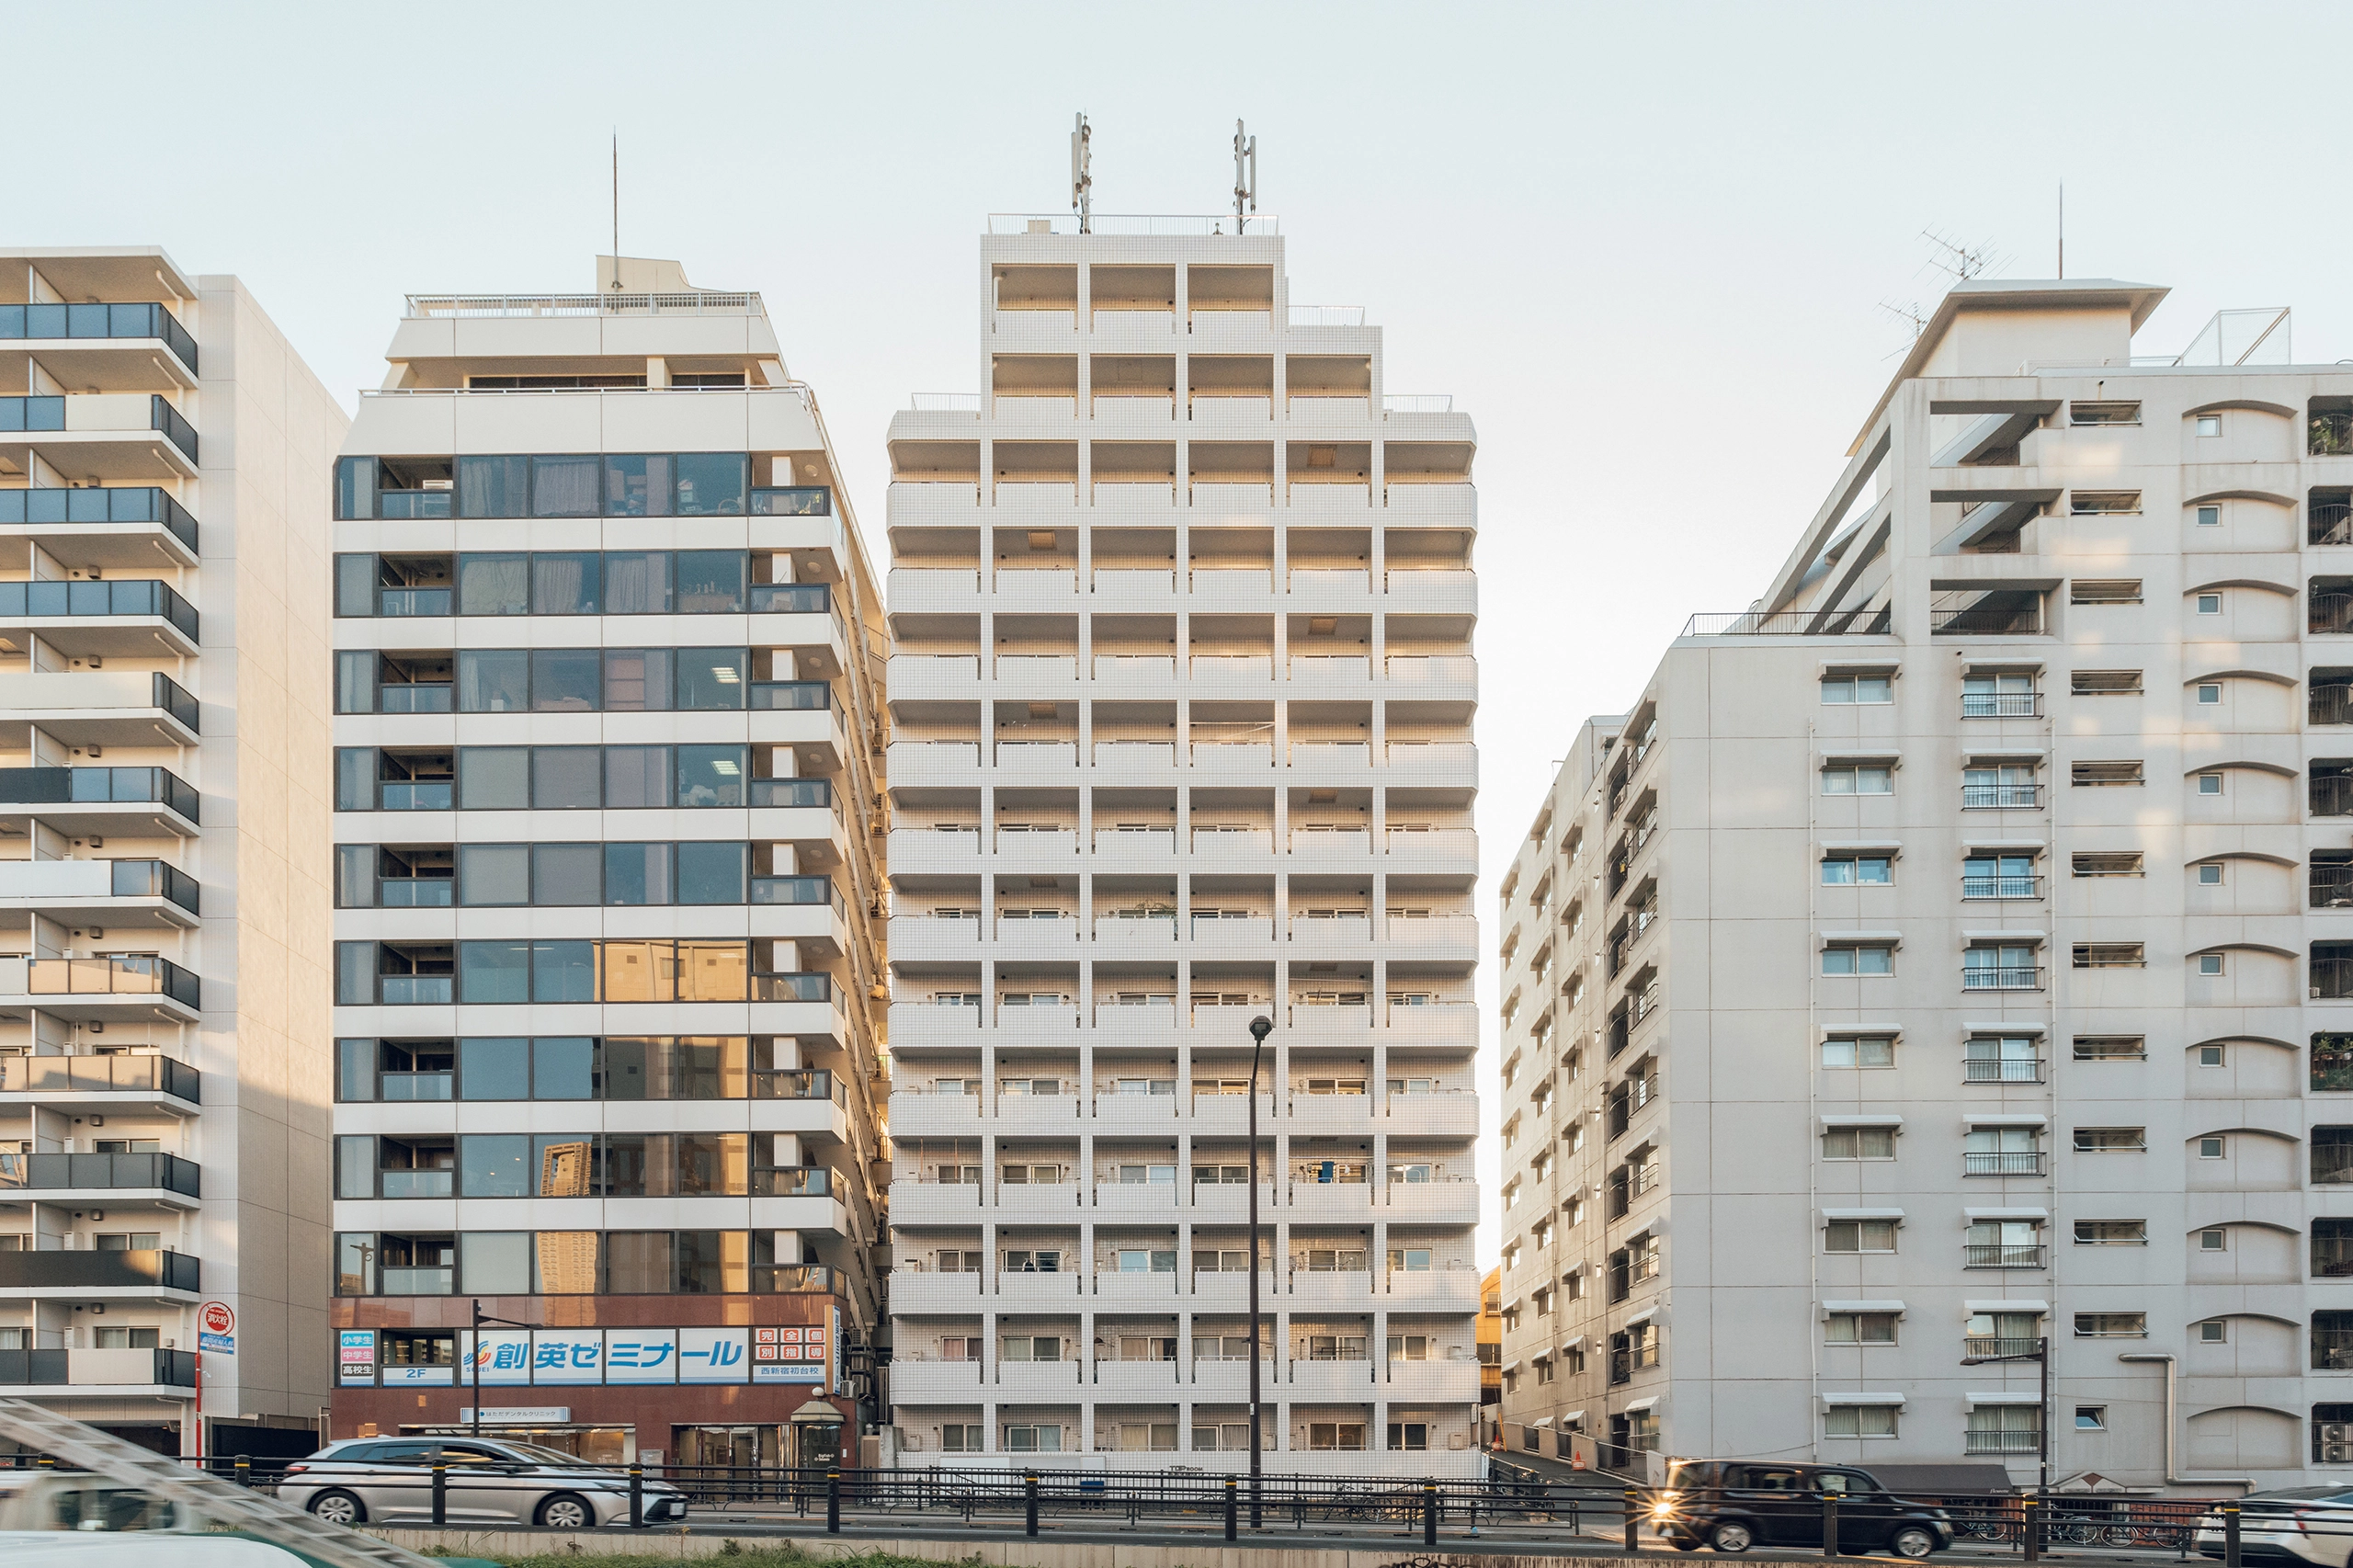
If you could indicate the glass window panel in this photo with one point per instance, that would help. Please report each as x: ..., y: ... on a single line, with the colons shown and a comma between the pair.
x: 637, y: 680
x: 638, y: 1263
x: 354, y: 681
x: 714, y: 1263
x: 494, y: 1165
x: 568, y: 1263
x: 564, y: 582
x: 355, y: 1258
x: 710, y: 582
x: 492, y: 779
x: 712, y: 677
x: 354, y: 876
x: 355, y: 488
x: 495, y: 1263
x: 710, y: 1068
x: 637, y: 486
x: 563, y: 1068
x: 355, y: 1074
x: 567, y: 874
x: 494, y: 875
x: 565, y: 777
x: 714, y: 971
x: 564, y: 972
x: 711, y: 873
x: 566, y: 1165
x: 355, y: 1168
x: 494, y: 486
x: 639, y: 971
x: 494, y: 972
x: 711, y: 483
x: 637, y: 582
x: 493, y: 680
x: 637, y: 776
x: 494, y: 584
x: 354, y: 584
x: 354, y: 779
x: 638, y: 873
x: 626, y: 1067
x: 493, y: 1069
x: 565, y: 486
x: 711, y: 776
x: 355, y: 974
x: 566, y: 680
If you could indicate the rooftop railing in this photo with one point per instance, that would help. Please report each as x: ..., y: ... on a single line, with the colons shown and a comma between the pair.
x: 1792, y: 623
x: 696, y: 302
x: 1145, y: 225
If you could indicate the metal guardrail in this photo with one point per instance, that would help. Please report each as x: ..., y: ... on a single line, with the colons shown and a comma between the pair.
x: 697, y: 303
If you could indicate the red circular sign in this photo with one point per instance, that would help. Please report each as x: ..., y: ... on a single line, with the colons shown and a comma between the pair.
x: 217, y: 1318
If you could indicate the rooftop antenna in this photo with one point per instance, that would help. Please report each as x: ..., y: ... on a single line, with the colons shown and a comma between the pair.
x: 1245, y: 175
x: 2063, y: 230
x: 1908, y: 312
x: 616, y: 209
x: 1082, y: 175
x: 1962, y: 262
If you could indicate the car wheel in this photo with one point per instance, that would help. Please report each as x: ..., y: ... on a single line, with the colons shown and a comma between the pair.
x: 1730, y: 1537
x: 566, y: 1511
x: 1912, y: 1542
x: 339, y: 1507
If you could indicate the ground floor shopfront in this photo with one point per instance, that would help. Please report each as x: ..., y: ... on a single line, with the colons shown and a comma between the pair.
x: 736, y: 1428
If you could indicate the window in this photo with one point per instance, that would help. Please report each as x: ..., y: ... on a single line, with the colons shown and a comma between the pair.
x: 2209, y: 875
x: 2109, y: 955
x: 2103, y: 503
x: 2216, y: 1240
x: 1999, y: 695
x: 1858, y: 1235
x: 2210, y: 964
x: 2001, y: 1059
x: 2208, y: 425
x: 2331, y: 1066
x: 1867, y: 959
x: 1859, y: 1421
x: 2111, y: 1325
x: 2210, y: 694
x: 2002, y: 787
x: 2099, y: 1139
x: 2084, y: 774
x: 2214, y: 1148
x: 1851, y: 689
x: 1858, y: 870
x: 2209, y: 783
x: 1858, y: 1143
x: 2119, y: 413
x: 2000, y: 967
x: 2107, y: 863
x: 1858, y: 1328
x: 2111, y: 1233
x: 2209, y: 604
x: 1999, y: 876
x: 2104, y: 683
x: 1859, y: 1051
x: 2112, y: 591
x: 2213, y: 1331
x: 1858, y: 778
x: 1344, y: 1436
x: 2209, y: 1056
x: 1027, y: 1438
x: 2091, y: 1419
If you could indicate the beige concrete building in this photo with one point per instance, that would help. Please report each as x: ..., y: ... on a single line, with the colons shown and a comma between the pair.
x: 1943, y: 962
x: 164, y: 457
x: 608, y: 673
x: 1182, y: 696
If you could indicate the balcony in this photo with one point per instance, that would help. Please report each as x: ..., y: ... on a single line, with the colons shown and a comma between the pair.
x: 144, y: 894
x: 1998, y: 612
x: 2002, y: 1255
x: 1985, y: 1347
x: 137, y: 803
x: 2027, y: 1162
x: 132, y: 436
x: 103, y: 1177
x: 71, y: 324
x: 93, y: 1371
x: 111, y: 617
x: 125, y: 512
x: 98, y: 1082
x: 2001, y: 797
x: 2001, y: 977
x: 153, y: 989
x: 1976, y: 1442
x: 126, y: 1274
x: 125, y: 708
x: 2009, y: 1069
x: 2001, y: 705
x: 2001, y: 887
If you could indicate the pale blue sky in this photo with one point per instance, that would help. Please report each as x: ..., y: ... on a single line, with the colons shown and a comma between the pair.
x: 1644, y: 246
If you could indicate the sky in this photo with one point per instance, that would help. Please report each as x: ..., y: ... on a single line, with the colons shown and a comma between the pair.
x: 1648, y: 249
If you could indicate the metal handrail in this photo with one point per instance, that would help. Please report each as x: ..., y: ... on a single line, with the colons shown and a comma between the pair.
x: 700, y: 301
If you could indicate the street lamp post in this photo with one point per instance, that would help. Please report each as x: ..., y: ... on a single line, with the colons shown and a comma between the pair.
x: 474, y: 1357
x: 1260, y: 1028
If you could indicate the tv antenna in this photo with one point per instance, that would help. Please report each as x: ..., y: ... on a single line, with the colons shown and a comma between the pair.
x: 1245, y: 175
x: 616, y: 207
x: 1908, y: 312
x: 1961, y: 262
x: 1082, y: 175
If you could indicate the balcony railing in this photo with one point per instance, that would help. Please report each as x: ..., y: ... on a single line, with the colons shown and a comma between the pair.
x: 2001, y: 887
x: 100, y: 321
x: 792, y: 792
x: 101, y: 1172
x: 101, y: 1075
x: 2001, y: 704
x: 2329, y: 702
x: 100, y: 1270
x: 2002, y: 1255
x: 2332, y: 979
x: 129, y: 504
x: 2000, y: 797
x: 793, y: 501
x: 111, y: 977
x: 110, y: 596
x: 2025, y: 1163
x: 98, y: 785
x: 96, y: 1369
x: 1997, y: 613
x: 1792, y: 623
x: 1990, y: 1069
x: 1988, y: 1347
x: 2002, y: 1443
x: 794, y: 696
x: 2002, y: 977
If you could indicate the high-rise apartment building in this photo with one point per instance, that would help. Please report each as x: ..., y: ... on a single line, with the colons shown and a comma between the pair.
x: 1941, y: 975
x: 1182, y: 696
x: 163, y: 794
x: 605, y: 670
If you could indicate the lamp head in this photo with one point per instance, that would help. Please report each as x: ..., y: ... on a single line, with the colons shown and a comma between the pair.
x: 1260, y: 1028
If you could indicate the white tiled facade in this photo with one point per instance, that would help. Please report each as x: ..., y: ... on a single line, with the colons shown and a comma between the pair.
x: 607, y: 669
x: 1181, y: 697
x: 1946, y: 955
x: 163, y: 763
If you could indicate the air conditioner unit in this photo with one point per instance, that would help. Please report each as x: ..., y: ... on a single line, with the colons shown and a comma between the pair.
x: 2336, y: 1439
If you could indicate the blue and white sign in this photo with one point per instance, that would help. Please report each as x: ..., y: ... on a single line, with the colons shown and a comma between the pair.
x: 419, y: 1376
x: 567, y: 1356
x: 642, y: 1356
x: 499, y: 1358
x: 714, y: 1355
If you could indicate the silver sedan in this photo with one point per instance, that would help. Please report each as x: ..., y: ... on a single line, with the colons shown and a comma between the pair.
x: 387, y: 1480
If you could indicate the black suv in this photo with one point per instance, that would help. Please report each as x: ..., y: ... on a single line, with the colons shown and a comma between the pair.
x: 1733, y: 1506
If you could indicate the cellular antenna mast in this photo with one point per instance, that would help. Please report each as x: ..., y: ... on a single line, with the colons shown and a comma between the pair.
x: 1245, y: 175
x: 1082, y: 175
x: 2063, y: 229
x: 616, y: 209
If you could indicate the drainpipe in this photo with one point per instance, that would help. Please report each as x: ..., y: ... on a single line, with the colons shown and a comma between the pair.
x: 2171, y: 1404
